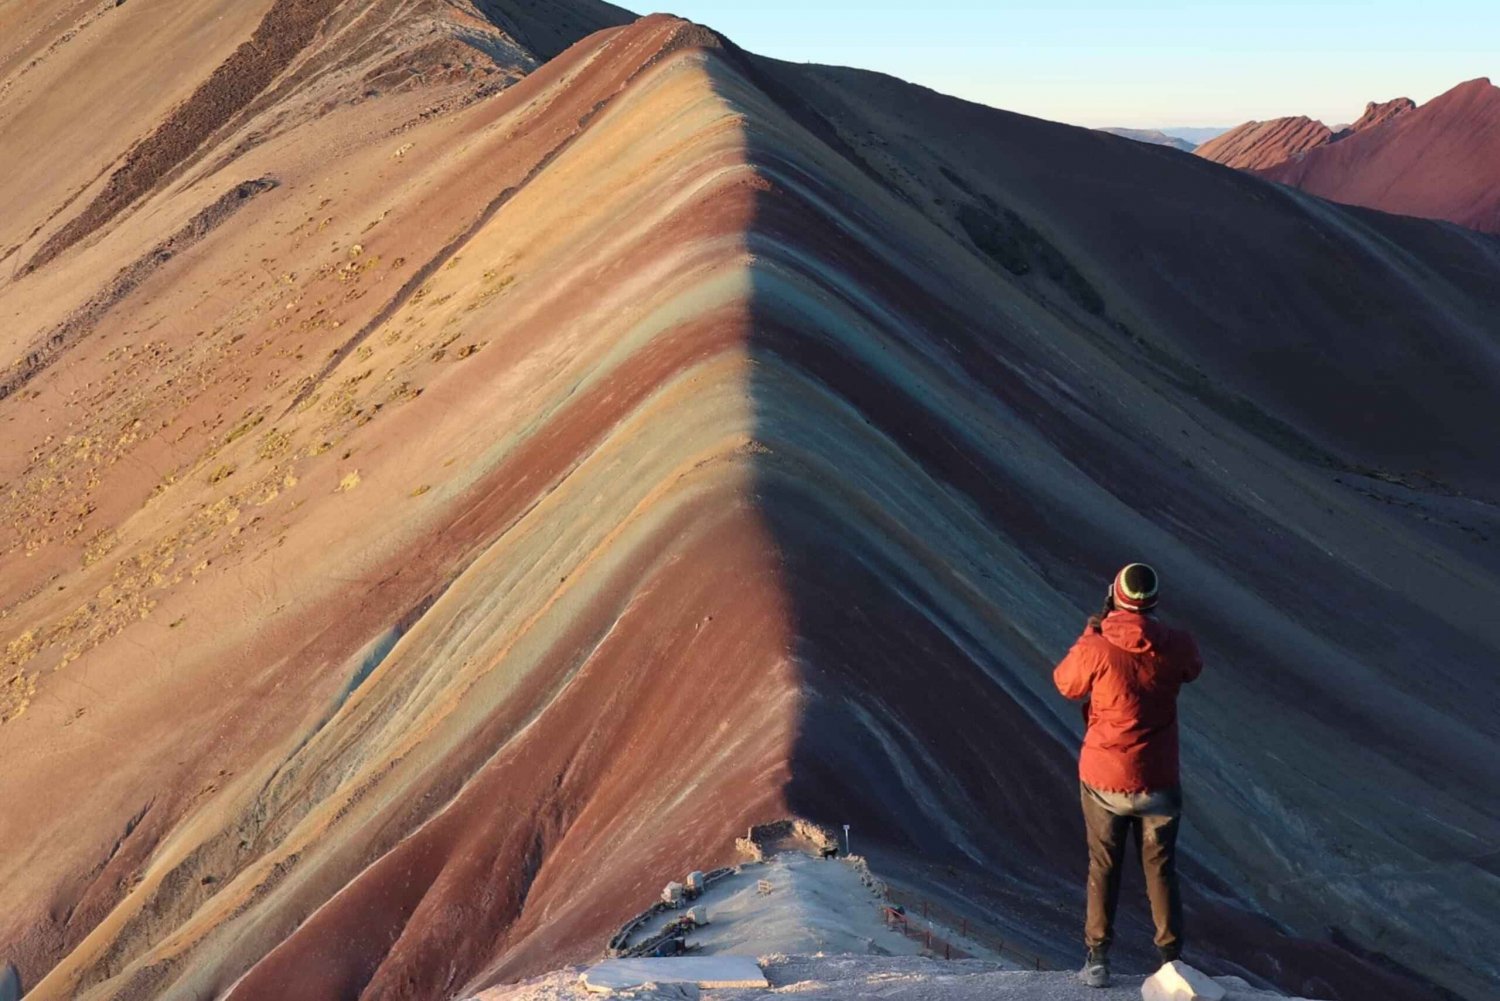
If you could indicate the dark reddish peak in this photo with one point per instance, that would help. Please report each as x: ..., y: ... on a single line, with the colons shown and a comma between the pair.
x: 1478, y: 91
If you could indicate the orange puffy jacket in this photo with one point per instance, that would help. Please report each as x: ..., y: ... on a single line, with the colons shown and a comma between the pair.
x: 1130, y: 669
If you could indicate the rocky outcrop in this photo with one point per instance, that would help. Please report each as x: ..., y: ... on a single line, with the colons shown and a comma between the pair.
x: 1256, y: 145
x: 1378, y: 113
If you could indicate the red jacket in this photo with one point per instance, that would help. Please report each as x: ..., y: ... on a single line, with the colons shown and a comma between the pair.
x: 1130, y: 670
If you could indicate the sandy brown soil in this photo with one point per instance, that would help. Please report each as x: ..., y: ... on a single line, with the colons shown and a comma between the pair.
x: 449, y: 490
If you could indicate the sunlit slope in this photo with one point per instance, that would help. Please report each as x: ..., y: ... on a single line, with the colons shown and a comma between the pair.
x: 477, y: 531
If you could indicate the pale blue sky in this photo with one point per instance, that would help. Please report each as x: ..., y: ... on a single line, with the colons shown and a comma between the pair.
x: 1135, y: 64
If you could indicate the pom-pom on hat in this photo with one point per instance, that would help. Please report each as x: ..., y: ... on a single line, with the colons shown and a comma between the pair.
x: 1135, y: 588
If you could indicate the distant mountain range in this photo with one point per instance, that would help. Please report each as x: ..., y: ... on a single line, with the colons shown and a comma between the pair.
x: 1440, y: 160
x: 1185, y: 137
x: 1153, y: 136
x: 1196, y: 134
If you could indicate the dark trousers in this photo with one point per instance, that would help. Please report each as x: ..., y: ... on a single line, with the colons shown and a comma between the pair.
x: 1108, y: 818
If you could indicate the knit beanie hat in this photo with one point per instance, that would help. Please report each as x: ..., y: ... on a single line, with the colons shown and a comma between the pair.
x: 1135, y: 588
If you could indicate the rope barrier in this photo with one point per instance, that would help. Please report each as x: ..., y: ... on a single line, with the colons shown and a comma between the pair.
x: 993, y: 941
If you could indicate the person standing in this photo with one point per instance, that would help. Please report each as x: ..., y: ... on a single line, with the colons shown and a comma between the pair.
x: 1127, y: 669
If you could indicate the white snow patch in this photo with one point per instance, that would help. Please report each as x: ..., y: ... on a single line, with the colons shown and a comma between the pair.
x: 862, y: 978
x: 1177, y: 981
x: 813, y: 905
x: 695, y: 971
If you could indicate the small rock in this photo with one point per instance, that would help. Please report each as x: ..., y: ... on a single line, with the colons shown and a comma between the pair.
x: 1178, y: 981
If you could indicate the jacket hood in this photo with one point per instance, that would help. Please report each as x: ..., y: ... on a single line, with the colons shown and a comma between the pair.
x: 1131, y: 631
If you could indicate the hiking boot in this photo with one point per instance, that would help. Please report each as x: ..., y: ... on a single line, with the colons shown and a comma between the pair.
x: 1095, y: 972
x: 1169, y: 955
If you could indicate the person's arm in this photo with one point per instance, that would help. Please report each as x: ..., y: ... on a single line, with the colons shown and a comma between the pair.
x: 1074, y: 674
